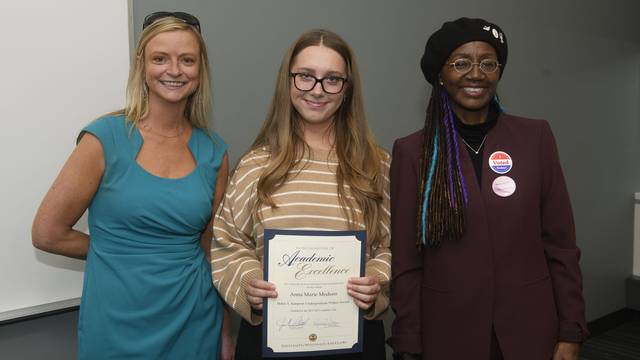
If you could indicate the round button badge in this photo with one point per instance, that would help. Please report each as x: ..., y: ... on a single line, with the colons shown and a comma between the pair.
x: 500, y: 162
x: 503, y: 186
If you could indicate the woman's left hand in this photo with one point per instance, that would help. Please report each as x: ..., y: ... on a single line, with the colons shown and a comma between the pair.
x: 566, y: 351
x: 364, y: 291
x: 228, y: 344
x: 228, y: 348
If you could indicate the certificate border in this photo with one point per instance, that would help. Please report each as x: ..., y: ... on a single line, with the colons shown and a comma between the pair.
x: 269, y: 234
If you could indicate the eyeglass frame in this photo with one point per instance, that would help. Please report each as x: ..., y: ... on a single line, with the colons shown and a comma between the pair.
x: 320, y: 80
x: 180, y: 15
x: 453, y: 65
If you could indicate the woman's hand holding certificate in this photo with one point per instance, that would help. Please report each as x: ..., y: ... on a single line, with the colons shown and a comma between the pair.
x: 257, y: 291
x: 364, y: 291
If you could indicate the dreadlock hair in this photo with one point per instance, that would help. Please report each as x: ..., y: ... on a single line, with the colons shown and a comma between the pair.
x: 443, y: 193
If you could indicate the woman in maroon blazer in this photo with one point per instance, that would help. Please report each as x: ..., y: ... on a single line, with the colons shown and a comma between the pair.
x: 485, y: 263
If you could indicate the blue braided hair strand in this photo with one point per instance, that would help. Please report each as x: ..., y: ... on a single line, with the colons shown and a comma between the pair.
x: 443, y: 194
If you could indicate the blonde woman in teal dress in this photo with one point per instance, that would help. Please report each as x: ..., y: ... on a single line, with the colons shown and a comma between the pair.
x: 150, y: 176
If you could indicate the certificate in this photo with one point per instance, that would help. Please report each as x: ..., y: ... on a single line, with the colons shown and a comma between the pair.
x: 313, y: 313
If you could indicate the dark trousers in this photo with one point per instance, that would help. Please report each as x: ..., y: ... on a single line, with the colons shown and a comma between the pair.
x: 249, y: 344
x: 496, y: 353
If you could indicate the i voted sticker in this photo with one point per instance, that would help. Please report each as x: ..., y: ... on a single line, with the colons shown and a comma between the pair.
x: 500, y: 162
x: 503, y: 186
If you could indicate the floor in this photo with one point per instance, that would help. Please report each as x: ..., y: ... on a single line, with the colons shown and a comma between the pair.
x: 619, y: 343
x: 54, y: 337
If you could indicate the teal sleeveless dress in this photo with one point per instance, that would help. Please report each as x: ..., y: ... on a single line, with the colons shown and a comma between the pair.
x: 147, y: 284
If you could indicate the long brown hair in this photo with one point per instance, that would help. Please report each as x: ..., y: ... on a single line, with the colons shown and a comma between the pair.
x: 359, y: 157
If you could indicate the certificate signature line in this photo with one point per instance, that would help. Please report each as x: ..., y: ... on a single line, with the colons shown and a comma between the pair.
x: 305, y: 322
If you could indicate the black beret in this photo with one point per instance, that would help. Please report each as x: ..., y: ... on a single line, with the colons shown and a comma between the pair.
x: 452, y: 34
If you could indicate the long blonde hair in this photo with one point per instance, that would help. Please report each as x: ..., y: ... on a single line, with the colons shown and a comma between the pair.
x: 359, y: 157
x: 198, y: 105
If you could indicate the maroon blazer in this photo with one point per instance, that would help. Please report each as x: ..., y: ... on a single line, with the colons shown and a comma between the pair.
x: 515, y: 267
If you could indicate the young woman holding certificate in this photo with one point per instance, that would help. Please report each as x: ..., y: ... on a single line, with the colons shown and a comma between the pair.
x: 313, y: 166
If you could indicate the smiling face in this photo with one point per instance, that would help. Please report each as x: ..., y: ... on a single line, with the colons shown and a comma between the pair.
x: 316, y: 106
x: 472, y: 91
x: 172, y: 66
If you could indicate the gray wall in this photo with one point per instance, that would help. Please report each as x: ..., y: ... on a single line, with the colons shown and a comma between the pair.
x: 52, y: 338
x: 575, y: 63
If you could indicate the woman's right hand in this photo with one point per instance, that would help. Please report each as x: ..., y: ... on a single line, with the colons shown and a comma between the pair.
x: 257, y: 290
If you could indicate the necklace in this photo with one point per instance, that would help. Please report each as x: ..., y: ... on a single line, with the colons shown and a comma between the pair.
x: 147, y: 127
x: 479, y: 147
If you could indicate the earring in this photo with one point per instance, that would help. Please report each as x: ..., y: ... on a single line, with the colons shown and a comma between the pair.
x: 441, y: 82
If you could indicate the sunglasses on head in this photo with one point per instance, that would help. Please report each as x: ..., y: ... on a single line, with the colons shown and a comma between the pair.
x: 187, y: 18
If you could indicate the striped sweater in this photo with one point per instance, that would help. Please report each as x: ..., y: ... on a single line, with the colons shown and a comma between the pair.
x: 307, y: 201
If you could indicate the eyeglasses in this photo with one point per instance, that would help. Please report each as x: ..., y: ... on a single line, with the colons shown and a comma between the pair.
x: 187, y: 18
x: 463, y: 66
x: 330, y: 84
